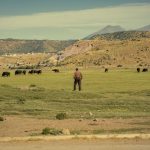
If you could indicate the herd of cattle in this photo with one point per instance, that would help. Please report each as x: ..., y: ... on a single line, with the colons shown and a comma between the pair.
x: 24, y: 72
x: 138, y: 70
x: 33, y: 71
x: 143, y: 70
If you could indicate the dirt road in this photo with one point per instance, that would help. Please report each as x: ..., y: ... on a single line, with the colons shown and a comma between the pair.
x: 15, y: 126
x: 77, y: 145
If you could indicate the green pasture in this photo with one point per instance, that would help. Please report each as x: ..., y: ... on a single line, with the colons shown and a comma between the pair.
x: 118, y: 93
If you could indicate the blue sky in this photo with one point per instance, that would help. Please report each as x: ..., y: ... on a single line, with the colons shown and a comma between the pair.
x: 68, y: 19
x: 25, y: 7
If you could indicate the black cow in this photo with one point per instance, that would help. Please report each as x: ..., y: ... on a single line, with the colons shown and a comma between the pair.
x: 55, y: 70
x: 145, y: 70
x: 35, y: 71
x: 138, y: 69
x: 38, y: 71
x: 5, y: 74
x: 18, y: 72
x: 31, y: 71
x: 106, y: 69
x: 24, y: 72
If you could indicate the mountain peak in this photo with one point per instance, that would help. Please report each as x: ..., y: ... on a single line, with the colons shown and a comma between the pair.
x: 145, y: 28
x: 110, y: 26
x: 107, y: 29
x: 111, y: 29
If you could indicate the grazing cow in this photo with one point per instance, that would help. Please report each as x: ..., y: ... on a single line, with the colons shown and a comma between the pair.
x: 38, y: 71
x: 18, y: 72
x: 5, y: 74
x: 35, y: 71
x: 106, y: 69
x: 31, y: 71
x: 24, y: 72
x: 145, y: 70
x: 138, y: 69
x: 55, y: 70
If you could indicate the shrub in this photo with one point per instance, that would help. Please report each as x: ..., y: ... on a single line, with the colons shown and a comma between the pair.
x: 61, y: 116
x: 45, y: 131
x: 32, y: 85
x: 1, y: 118
x: 119, y: 66
x: 21, y: 100
x: 51, y: 131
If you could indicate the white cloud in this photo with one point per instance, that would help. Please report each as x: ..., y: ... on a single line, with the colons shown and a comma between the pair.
x: 127, y: 15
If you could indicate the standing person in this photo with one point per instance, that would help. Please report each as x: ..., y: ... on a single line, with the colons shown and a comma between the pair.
x: 77, y: 79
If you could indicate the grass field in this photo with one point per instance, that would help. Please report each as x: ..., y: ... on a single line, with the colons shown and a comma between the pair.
x: 118, y: 93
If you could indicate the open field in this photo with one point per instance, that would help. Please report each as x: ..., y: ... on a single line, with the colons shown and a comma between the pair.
x: 114, y: 94
x: 120, y: 99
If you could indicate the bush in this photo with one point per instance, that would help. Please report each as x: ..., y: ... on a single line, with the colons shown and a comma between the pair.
x: 46, y: 131
x: 32, y: 85
x: 51, y: 131
x: 61, y: 116
x: 119, y: 66
x: 21, y: 100
x: 1, y: 118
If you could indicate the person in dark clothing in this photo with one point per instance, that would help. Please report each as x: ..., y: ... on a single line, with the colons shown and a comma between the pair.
x: 77, y: 79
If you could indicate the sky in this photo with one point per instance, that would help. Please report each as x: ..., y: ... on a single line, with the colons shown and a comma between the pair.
x: 68, y: 19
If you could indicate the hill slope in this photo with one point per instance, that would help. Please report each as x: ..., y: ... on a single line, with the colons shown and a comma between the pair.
x: 26, y: 46
x: 127, y: 49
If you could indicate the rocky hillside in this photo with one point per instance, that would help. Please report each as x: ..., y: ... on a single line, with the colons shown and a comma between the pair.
x: 122, y: 49
x: 27, y: 46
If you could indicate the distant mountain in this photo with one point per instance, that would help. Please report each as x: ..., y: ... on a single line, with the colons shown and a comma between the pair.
x: 36, y: 46
x: 125, y: 35
x: 145, y: 28
x: 107, y: 29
